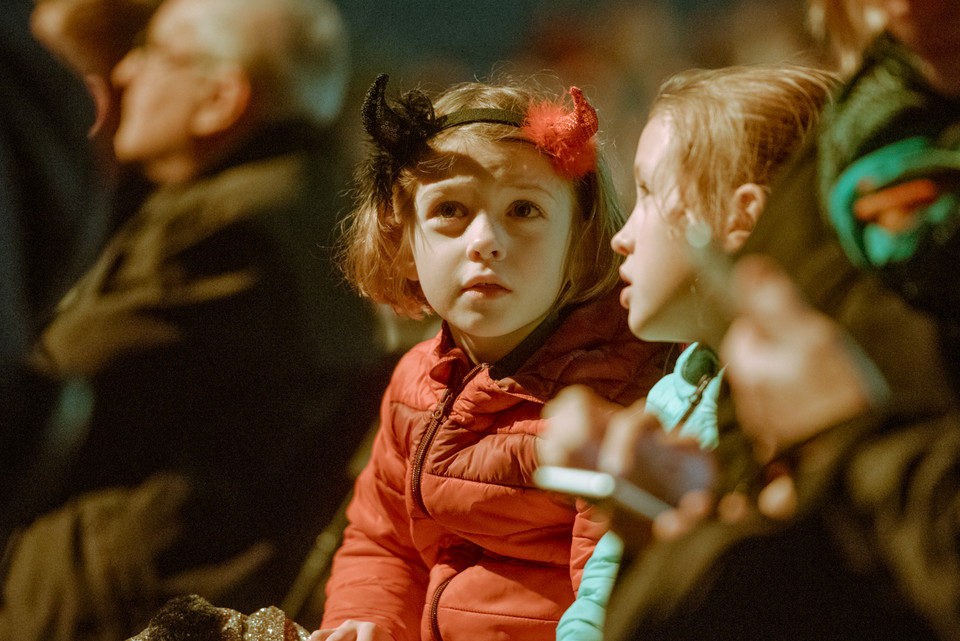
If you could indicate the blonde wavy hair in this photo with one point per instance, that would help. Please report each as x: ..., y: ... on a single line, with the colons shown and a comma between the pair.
x: 377, y: 237
x: 736, y: 125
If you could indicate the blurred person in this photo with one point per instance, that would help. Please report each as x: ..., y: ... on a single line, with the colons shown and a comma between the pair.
x: 843, y: 374
x: 48, y: 193
x: 90, y: 37
x: 231, y: 372
x: 712, y: 146
x: 490, y: 206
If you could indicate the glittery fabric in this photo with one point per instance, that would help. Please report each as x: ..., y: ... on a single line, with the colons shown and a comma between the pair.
x: 192, y: 617
x: 271, y: 624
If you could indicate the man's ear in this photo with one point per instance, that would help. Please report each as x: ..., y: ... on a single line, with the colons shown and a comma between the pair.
x: 746, y: 205
x: 228, y: 100
x: 103, y: 101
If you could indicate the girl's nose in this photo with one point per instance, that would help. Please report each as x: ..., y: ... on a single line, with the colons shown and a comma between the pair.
x: 484, y: 242
x: 621, y: 242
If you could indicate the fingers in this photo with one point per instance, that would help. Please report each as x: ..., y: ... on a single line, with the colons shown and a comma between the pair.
x: 792, y: 371
x: 153, y: 511
x: 778, y: 500
x: 733, y: 507
x: 693, y: 507
x: 576, y: 421
x: 161, y: 495
x: 616, y: 453
x: 351, y: 631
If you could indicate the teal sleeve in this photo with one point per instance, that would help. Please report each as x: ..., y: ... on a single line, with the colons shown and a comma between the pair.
x: 583, y: 620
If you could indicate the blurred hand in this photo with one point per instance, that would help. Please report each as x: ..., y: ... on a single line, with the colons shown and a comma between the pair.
x: 777, y: 501
x: 664, y: 464
x: 576, y: 425
x: 352, y: 631
x: 588, y: 432
x: 792, y: 371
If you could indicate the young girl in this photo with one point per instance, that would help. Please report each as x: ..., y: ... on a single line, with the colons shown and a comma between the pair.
x: 491, y: 208
x: 713, y: 144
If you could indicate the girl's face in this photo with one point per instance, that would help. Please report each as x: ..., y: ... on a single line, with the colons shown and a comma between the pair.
x: 657, y: 269
x: 490, y: 241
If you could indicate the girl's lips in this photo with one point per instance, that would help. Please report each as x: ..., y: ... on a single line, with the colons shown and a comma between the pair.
x: 486, y: 289
x: 484, y: 284
x: 625, y: 297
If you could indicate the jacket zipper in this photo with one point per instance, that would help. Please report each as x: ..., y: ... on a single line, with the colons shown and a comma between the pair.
x: 694, y: 399
x: 434, y: 607
x: 440, y: 412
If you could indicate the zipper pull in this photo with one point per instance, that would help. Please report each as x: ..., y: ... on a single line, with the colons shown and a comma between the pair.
x: 442, y: 406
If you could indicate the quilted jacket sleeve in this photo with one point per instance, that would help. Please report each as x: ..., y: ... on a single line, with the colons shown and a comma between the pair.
x: 377, y: 574
x: 583, y: 621
x: 588, y: 527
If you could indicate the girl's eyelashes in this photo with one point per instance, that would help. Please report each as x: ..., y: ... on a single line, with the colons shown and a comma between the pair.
x: 525, y: 209
x: 449, y: 209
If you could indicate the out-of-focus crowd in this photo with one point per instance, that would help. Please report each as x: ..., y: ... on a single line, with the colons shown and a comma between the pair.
x: 552, y: 320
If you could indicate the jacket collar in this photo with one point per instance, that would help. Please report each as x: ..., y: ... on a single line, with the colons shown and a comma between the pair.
x: 454, y: 363
x: 271, y: 140
x: 588, y: 343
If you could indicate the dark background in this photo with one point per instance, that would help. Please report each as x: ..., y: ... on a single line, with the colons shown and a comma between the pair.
x: 617, y: 51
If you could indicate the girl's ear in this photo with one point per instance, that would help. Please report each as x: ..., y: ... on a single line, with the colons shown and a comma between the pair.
x: 745, y: 208
x: 227, y: 102
x: 410, y: 269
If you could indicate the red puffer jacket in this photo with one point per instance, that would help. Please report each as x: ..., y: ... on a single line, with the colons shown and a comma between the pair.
x: 449, y: 538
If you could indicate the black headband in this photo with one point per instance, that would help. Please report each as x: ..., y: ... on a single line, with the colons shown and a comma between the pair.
x: 470, y: 116
x: 400, y: 129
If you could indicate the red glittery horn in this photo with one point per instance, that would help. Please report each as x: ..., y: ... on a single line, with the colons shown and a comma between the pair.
x: 567, y: 135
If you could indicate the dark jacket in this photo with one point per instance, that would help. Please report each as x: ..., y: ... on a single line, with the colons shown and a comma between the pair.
x: 221, y: 346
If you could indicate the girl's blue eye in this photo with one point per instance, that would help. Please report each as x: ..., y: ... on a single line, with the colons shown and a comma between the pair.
x: 525, y: 209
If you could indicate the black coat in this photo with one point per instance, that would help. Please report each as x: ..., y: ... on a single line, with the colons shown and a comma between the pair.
x: 220, y: 345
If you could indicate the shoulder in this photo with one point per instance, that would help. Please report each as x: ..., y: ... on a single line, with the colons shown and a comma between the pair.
x: 240, y: 193
x: 260, y: 184
x: 411, y: 376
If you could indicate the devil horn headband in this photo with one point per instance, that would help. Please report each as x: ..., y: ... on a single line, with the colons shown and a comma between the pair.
x: 567, y: 136
x: 400, y: 131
